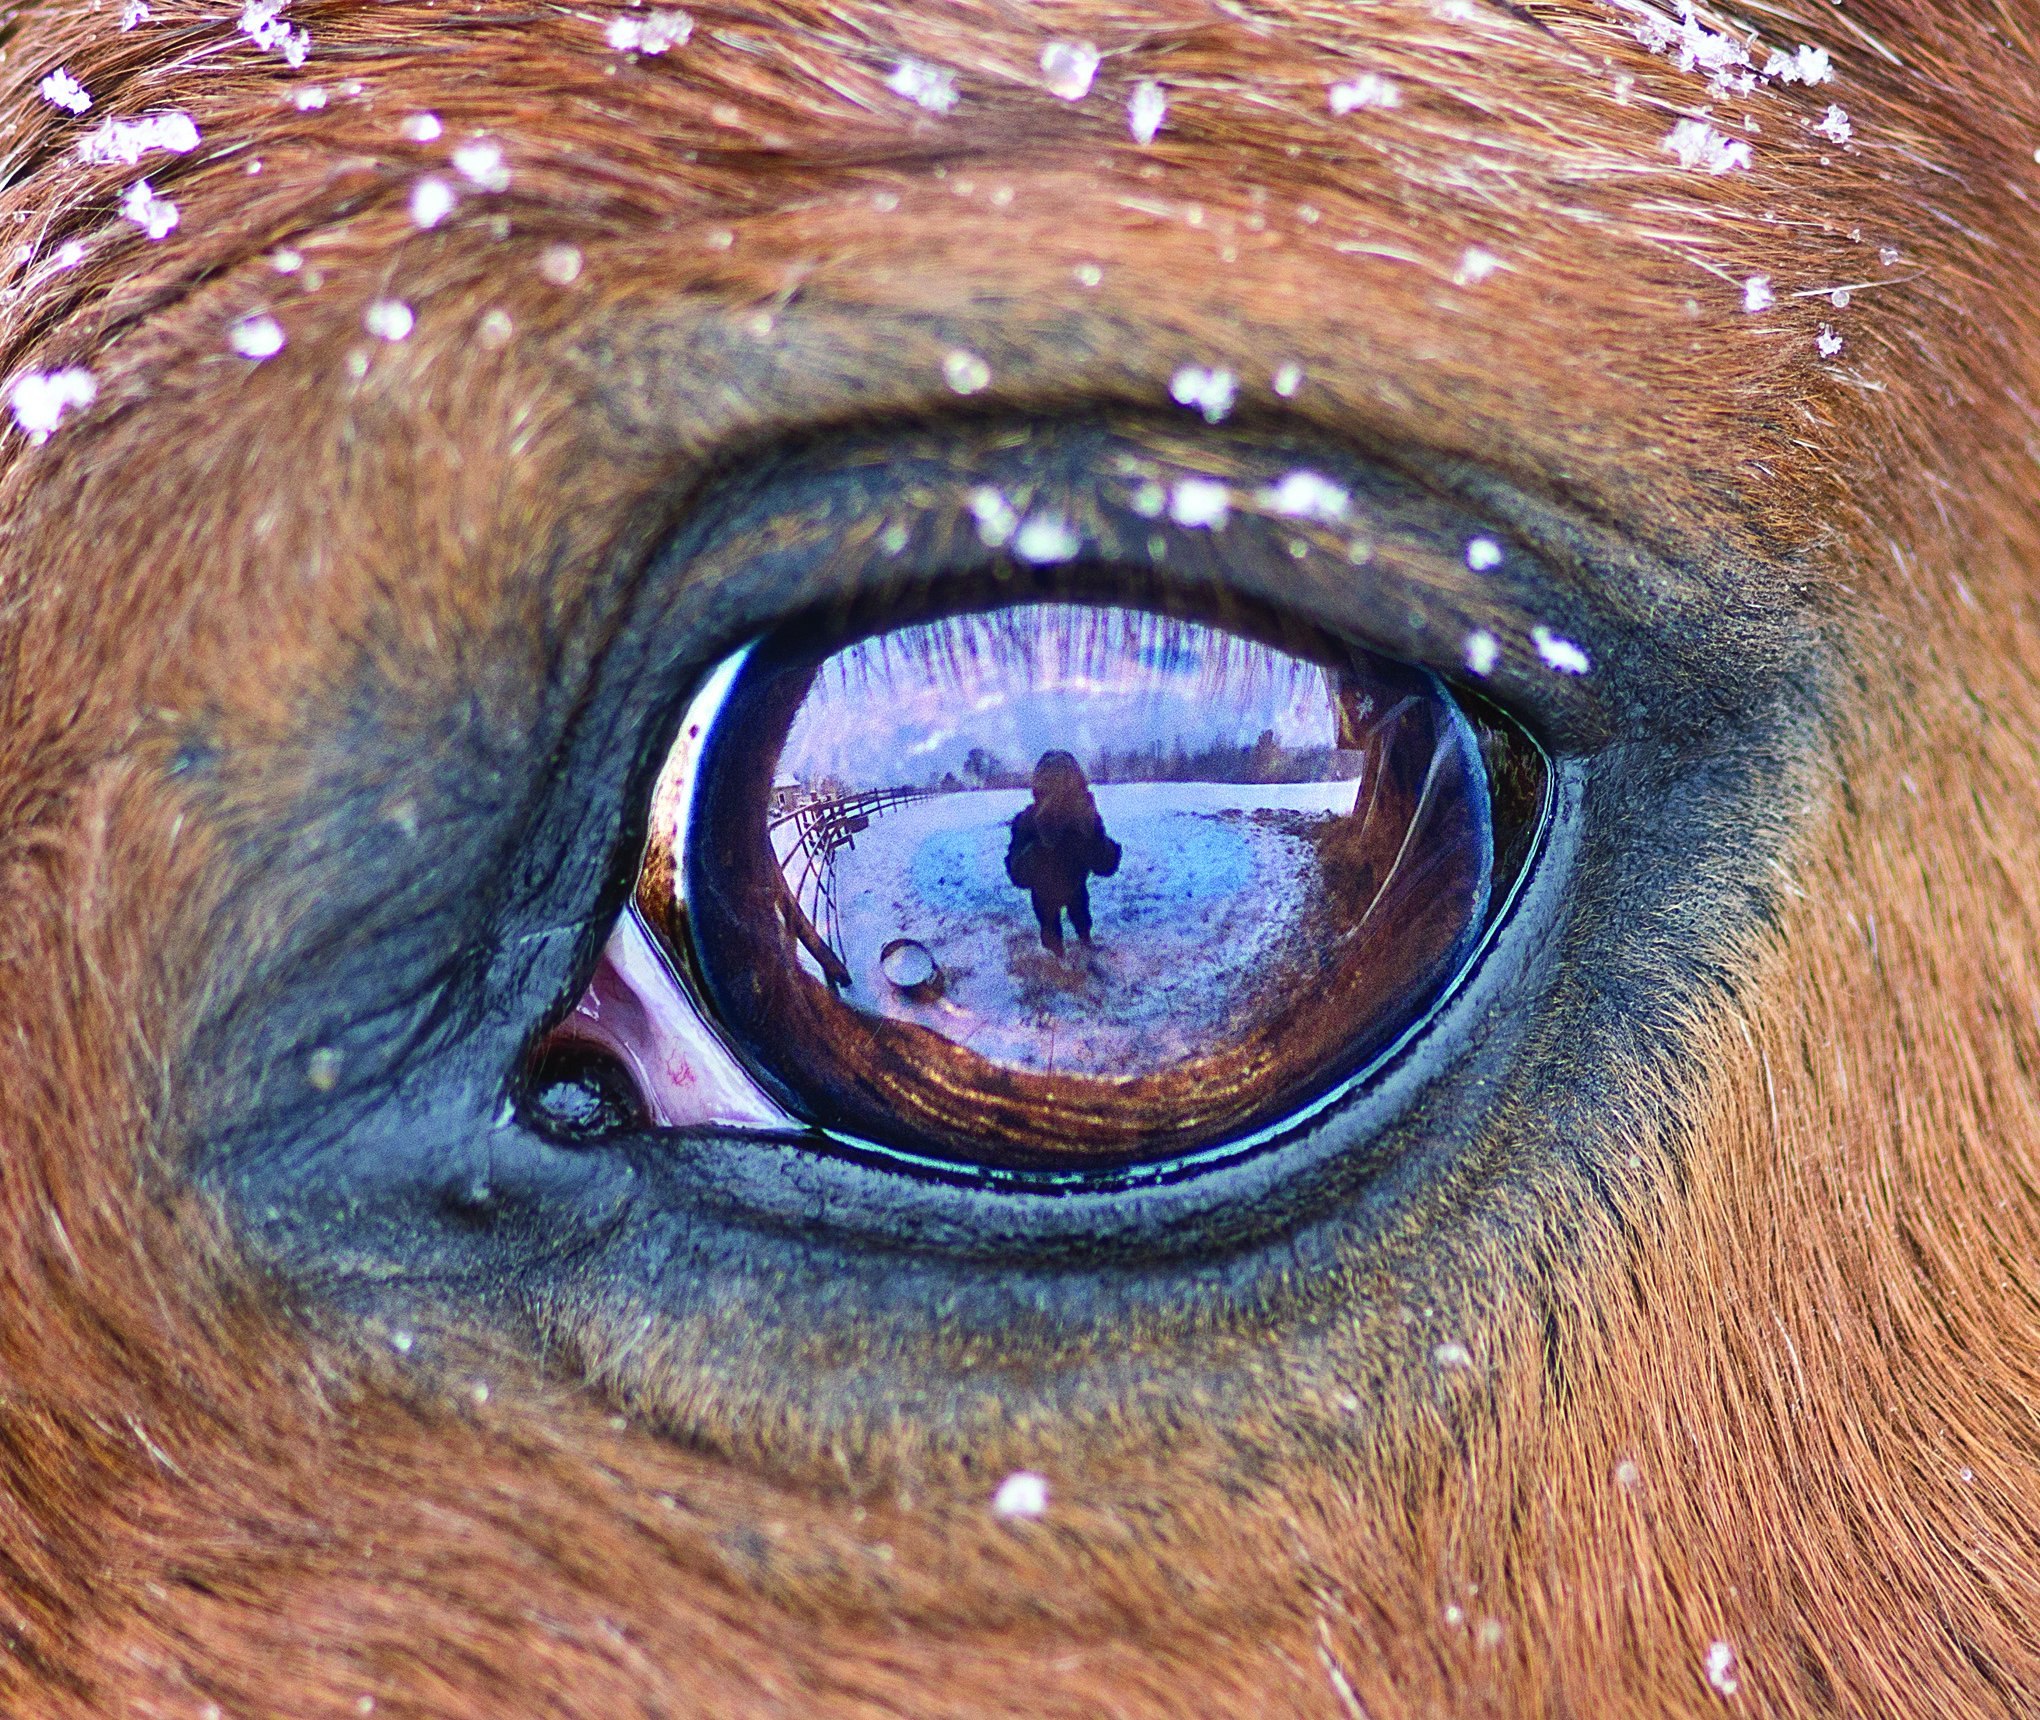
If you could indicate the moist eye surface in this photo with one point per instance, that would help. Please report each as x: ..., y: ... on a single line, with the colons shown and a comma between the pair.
x: 1054, y: 884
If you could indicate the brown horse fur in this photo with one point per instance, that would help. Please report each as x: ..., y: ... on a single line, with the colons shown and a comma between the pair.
x: 1770, y: 1385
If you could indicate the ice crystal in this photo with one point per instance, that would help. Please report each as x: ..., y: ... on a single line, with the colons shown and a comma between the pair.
x: 1698, y: 144
x: 156, y: 216
x: 1452, y: 1356
x: 1306, y: 496
x: 1211, y: 392
x: 1697, y: 48
x: 309, y: 100
x: 257, y: 337
x: 431, y: 201
x: 966, y: 372
x: 389, y: 319
x: 123, y: 142
x: 1023, y: 1494
x: 1827, y: 342
x: 1146, y: 108
x: 1368, y: 90
x: 1757, y: 294
x: 262, y: 23
x: 1483, y: 651
x: 69, y: 254
x: 1835, y: 124
x: 1560, y: 654
x: 1067, y: 68
x: 481, y: 163
x: 1047, y: 539
x: 560, y: 264
x: 1806, y: 66
x: 42, y: 398
x: 1199, y: 503
x: 421, y: 128
x: 1724, y: 1671
x: 931, y: 87
x: 1483, y: 554
x: 996, y: 520
x: 62, y: 90
x: 134, y: 13
x: 654, y: 33
x: 1287, y: 380
x: 1474, y: 267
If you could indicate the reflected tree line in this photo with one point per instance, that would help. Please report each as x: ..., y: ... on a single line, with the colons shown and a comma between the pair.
x: 1266, y: 759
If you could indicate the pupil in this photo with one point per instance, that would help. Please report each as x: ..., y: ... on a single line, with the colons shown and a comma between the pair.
x: 1064, y: 884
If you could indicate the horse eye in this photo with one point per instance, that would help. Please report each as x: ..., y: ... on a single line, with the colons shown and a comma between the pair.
x: 1055, y: 887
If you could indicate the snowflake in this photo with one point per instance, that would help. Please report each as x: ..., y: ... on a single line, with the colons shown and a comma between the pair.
x: 62, y: 90
x: 262, y: 23
x: 1560, y: 654
x: 389, y: 319
x: 1723, y: 1669
x: 1146, y: 108
x: 481, y: 163
x: 156, y: 216
x: 123, y: 142
x: 1698, y: 144
x: 1211, y: 392
x: 1807, y: 66
x: 1021, y: 1494
x: 42, y: 398
x: 1368, y: 90
x: 1308, y: 496
x: 257, y: 337
x: 652, y: 34
x: 431, y: 201
x: 1068, y: 68
x: 966, y: 372
x: 931, y: 87
x: 1474, y: 267
x: 1200, y: 503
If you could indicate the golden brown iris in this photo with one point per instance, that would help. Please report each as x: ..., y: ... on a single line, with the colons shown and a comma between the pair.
x: 1069, y: 884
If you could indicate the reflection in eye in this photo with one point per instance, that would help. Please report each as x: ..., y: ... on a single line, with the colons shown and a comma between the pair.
x: 1056, y: 885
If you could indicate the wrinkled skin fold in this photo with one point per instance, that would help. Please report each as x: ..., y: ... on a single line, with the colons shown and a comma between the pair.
x: 1658, y: 1337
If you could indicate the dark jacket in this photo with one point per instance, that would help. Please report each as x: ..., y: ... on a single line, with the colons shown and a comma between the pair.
x: 1053, y: 860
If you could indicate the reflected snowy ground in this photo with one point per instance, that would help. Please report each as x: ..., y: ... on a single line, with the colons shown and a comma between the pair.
x: 1216, y: 880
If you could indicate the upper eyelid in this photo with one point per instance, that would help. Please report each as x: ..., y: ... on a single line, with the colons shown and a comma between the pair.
x: 884, y: 516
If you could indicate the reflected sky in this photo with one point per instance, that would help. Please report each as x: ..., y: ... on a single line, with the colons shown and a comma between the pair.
x: 910, y: 706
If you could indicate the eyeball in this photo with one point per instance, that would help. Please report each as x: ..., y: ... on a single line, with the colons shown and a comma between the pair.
x: 1061, y: 886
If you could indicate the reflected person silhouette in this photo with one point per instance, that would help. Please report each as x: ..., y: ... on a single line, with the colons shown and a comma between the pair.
x: 1057, y: 844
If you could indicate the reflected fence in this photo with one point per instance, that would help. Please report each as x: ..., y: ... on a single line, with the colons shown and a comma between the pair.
x: 806, y: 838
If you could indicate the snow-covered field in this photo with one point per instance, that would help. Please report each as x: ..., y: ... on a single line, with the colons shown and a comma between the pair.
x: 1185, y: 931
